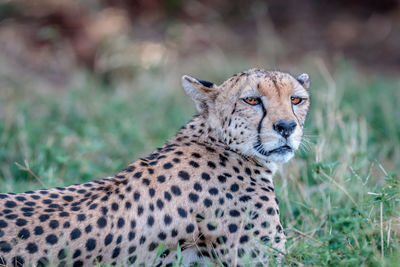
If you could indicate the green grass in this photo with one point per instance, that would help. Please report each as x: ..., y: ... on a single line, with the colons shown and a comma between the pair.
x: 339, y: 198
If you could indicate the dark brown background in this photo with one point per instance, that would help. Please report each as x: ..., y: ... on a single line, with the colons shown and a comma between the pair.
x: 52, y: 38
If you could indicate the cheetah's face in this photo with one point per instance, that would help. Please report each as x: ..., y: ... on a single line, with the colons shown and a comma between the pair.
x: 256, y: 113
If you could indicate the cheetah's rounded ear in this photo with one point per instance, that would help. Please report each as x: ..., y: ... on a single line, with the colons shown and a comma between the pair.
x: 202, y: 92
x: 304, y: 80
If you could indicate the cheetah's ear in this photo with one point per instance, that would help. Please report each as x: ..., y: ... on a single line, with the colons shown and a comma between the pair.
x: 202, y: 92
x: 304, y: 80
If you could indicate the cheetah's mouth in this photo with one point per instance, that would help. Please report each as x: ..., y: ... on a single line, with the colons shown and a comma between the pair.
x: 279, y: 150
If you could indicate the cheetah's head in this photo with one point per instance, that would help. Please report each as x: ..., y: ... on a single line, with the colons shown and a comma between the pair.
x: 257, y: 113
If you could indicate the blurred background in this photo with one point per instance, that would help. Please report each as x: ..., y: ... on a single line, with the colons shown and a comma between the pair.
x: 88, y: 86
x: 114, y: 39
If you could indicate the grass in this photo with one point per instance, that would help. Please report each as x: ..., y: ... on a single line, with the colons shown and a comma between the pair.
x: 339, y: 198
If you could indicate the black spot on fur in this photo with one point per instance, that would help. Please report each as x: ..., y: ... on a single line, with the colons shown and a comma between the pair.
x: 161, y: 178
x: 197, y: 187
x: 76, y: 233
x: 234, y: 187
x: 213, y: 191
x: 207, y: 202
x: 205, y: 176
x: 167, y: 196
x: 24, y: 234
x: 184, y: 175
x: 18, y: 261
x: 190, y: 228
x: 62, y: 254
x: 182, y: 212
x: 136, y: 196
x: 10, y: 204
x: 116, y: 252
x: 102, y: 222
x: 193, y: 197
x: 167, y: 165
x: 3, y: 224
x: 160, y: 204
x: 194, y: 164
x: 90, y: 244
x: 270, y: 211
x: 21, y: 222
x: 51, y: 239
x: 167, y: 219
x: 5, y: 247
x: 221, y: 178
x: 232, y: 228
x: 211, y: 226
x: 211, y: 164
x: 38, y: 230
x: 176, y: 190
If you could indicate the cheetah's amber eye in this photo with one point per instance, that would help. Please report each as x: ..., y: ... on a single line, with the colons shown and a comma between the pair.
x: 252, y: 100
x: 296, y: 100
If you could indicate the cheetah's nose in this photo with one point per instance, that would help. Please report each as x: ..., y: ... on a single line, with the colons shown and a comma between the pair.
x: 285, y: 128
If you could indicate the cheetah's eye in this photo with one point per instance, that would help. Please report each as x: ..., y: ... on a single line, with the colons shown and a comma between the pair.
x: 252, y: 100
x: 296, y: 100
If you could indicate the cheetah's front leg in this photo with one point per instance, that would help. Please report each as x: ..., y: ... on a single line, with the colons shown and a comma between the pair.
x: 253, y: 239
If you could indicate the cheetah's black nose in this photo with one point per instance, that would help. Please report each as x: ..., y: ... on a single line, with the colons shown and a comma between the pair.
x: 285, y: 128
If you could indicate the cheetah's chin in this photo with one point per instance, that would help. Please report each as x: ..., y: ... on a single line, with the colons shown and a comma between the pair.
x: 280, y: 154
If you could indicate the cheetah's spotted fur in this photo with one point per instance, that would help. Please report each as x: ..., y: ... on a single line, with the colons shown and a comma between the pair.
x: 210, y: 188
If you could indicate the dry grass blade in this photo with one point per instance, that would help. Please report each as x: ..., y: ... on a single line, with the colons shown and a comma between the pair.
x: 29, y: 170
x: 340, y: 187
x: 305, y: 235
x: 381, y: 228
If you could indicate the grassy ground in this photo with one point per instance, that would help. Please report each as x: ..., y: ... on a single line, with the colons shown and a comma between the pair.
x: 339, y: 197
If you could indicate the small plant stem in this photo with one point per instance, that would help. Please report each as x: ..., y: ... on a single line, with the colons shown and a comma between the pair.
x: 381, y: 217
x: 340, y: 187
x: 305, y: 235
x: 28, y: 170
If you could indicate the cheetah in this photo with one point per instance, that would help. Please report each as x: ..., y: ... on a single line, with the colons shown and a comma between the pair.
x: 209, y: 189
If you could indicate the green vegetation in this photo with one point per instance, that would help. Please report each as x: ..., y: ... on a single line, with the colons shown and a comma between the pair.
x: 340, y: 197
